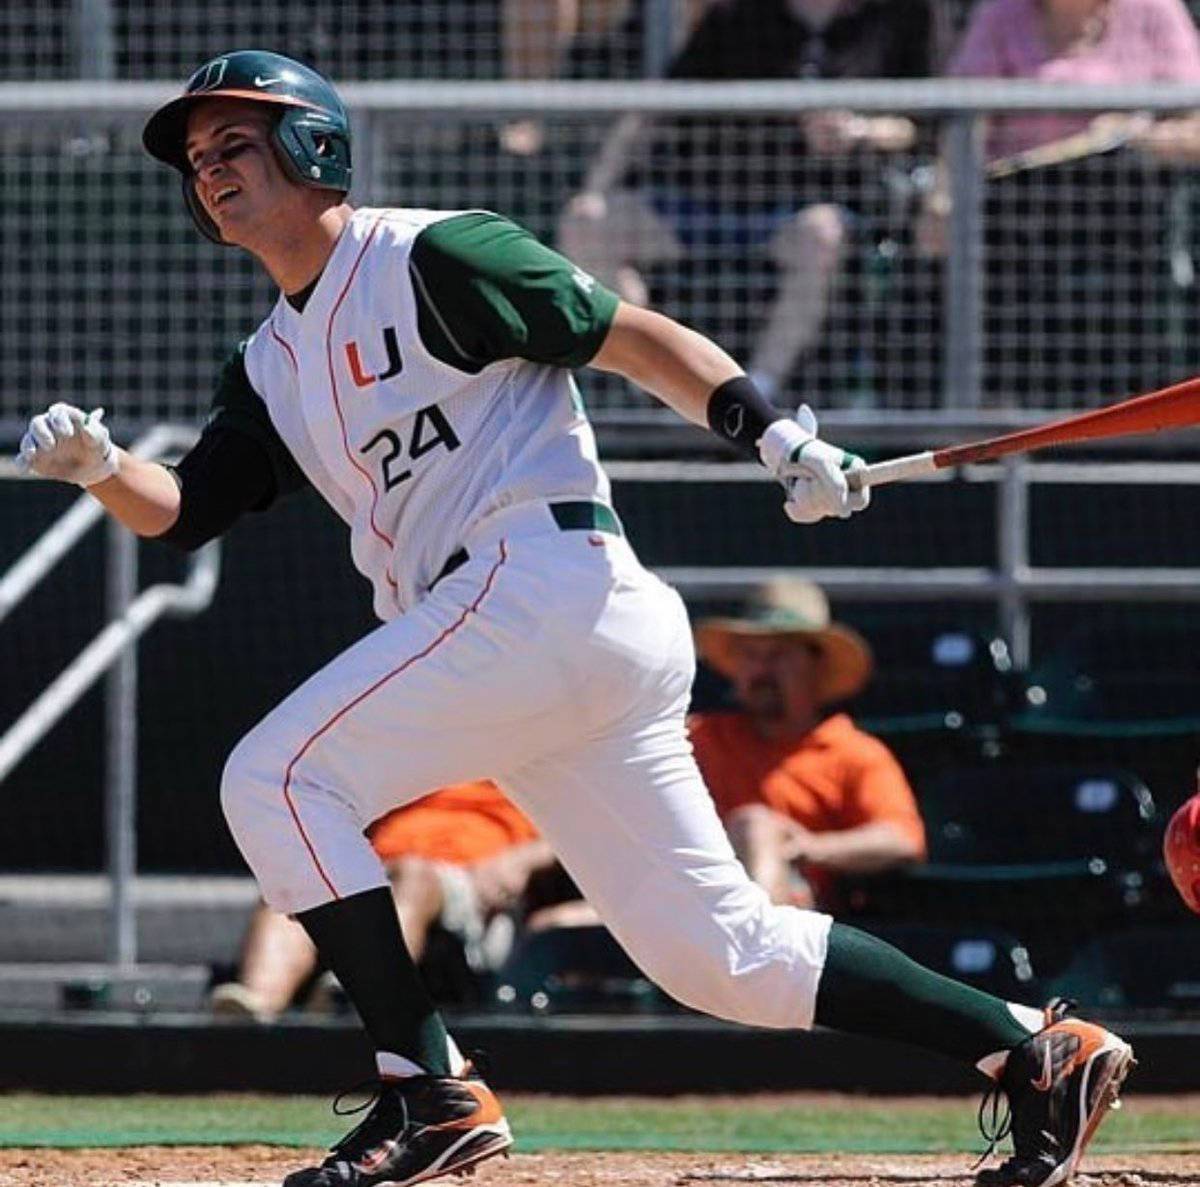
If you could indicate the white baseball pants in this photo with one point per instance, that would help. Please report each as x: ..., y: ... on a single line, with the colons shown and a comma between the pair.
x: 554, y: 663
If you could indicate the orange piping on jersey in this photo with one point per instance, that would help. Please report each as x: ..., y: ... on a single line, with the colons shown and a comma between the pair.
x: 319, y: 733
x: 337, y: 403
x: 291, y: 354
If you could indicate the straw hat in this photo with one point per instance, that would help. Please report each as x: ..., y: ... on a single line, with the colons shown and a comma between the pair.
x: 796, y: 609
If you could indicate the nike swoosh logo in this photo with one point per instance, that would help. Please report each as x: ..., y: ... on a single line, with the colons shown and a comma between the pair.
x: 1045, y: 1081
x: 259, y: 81
x: 372, y: 1160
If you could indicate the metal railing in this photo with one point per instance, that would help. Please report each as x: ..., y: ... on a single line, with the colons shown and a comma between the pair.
x: 113, y: 651
x: 1012, y: 582
x: 402, y: 131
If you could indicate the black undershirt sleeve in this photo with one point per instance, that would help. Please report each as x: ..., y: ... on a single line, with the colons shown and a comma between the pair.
x: 225, y: 474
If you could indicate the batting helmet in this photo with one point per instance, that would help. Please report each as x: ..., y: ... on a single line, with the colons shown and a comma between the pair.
x: 311, y: 134
x: 1181, y: 851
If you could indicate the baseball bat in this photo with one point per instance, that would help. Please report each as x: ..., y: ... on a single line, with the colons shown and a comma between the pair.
x: 1172, y: 407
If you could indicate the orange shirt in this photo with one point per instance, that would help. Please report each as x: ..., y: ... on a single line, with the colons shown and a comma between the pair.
x: 834, y: 777
x: 460, y: 824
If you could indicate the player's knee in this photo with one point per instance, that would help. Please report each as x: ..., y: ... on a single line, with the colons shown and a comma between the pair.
x: 241, y: 785
x: 814, y: 238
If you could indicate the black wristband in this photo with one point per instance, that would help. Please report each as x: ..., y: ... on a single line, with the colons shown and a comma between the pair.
x: 739, y: 412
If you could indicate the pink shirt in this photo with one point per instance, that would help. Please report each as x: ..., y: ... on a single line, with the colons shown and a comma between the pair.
x: 1145, y: 41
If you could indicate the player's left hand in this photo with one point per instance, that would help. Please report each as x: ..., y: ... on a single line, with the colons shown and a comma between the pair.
x: 70, y: 445
x: 799, y: 843
x: 812, y: 472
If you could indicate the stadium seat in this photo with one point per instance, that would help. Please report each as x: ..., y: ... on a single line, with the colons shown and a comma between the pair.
x: 1137, y: 968
x: 1006, y: 819
x: 1052, y: 853
x: 1166, y: 761
x: 988, y: 958
x: 933, y: 670
x: 575, y: 970
x: 1117, y: 673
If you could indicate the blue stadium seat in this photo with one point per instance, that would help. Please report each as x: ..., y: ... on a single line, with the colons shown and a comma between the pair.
x: 1015, y: 820
x: 575, y: 970
x: 1117, y: 673
x: 1053, y: 854
x: 933, y: 670
x: 988, y: 958
x: 1144, y: 968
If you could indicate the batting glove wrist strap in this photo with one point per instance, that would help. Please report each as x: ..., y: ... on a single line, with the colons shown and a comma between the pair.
x: 69, y: 445
x: 812, y: 472
x: 781, y: 445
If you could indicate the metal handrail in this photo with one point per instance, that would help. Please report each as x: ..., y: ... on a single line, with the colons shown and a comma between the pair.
x: 193, y: 596
x: 111, y: 652
x: 1012, y: 582
x: 66, y: 531
x: 651, y: 96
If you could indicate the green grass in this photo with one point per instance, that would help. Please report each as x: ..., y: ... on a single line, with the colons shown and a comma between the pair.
x: 755, y: 1124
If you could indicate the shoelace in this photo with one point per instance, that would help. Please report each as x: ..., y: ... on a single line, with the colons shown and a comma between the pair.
x: 374, y: 1100
x: 994, y: 1124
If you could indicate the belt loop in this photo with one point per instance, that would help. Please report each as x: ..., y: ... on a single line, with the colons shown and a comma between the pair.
x: 586, y: 515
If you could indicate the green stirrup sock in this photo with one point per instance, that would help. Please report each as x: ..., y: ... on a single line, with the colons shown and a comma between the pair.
x: 359, y: 938
x: 870, y: 988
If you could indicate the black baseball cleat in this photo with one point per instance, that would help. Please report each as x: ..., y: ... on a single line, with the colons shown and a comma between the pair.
x: 418, y: 1128
x: 1060, y: 1083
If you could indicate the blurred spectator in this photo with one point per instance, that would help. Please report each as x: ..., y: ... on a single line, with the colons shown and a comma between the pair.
x: 460, y: 859
x: 1091, y: 223
x: 764, y: 185
x: 540, y: 35
x: 804, y: 795
x: 1089, y: 41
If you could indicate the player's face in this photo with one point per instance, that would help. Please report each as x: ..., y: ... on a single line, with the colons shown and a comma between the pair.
x: 238, y: 179
x: 775, y: 677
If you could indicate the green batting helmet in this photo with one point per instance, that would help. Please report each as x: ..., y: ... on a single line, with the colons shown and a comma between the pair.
x: 311, y: 135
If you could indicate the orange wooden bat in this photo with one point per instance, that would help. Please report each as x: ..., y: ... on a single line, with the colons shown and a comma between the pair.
x: 1172, y: 407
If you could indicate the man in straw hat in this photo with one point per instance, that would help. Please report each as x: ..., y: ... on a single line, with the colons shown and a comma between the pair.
x: 798, y: 789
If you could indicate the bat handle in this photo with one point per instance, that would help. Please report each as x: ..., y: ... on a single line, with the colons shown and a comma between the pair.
x: 898, y: 469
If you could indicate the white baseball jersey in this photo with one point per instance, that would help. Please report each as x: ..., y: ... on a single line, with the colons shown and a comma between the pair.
x: 398, y: 392
x: 424, y: 391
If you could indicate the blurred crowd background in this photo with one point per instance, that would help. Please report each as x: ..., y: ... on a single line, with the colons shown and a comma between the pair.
x: 917, y: 268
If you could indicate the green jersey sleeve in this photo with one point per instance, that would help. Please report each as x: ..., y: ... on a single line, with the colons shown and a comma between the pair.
x: 487, y: 289
x: 236, y: 406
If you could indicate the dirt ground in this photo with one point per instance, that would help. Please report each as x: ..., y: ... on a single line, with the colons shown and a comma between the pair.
x: 243, y: 1165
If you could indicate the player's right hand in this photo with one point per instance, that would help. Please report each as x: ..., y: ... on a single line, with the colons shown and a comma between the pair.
x: 69, y: 445
x: 813, y: 472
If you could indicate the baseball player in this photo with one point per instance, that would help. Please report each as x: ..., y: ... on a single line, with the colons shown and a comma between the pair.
x: 416, y: 371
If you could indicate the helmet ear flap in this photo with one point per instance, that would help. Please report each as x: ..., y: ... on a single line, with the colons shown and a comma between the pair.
x: 314, y: 152
x: 199, y: 215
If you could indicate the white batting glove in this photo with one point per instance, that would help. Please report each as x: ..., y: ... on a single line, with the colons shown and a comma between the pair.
x: 813, y: 472
x: 70, y: 445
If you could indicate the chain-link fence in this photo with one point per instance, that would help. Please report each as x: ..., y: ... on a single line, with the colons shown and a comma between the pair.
x: 461, y: 39
x: 1052, y: 287
x: 833, y: 273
